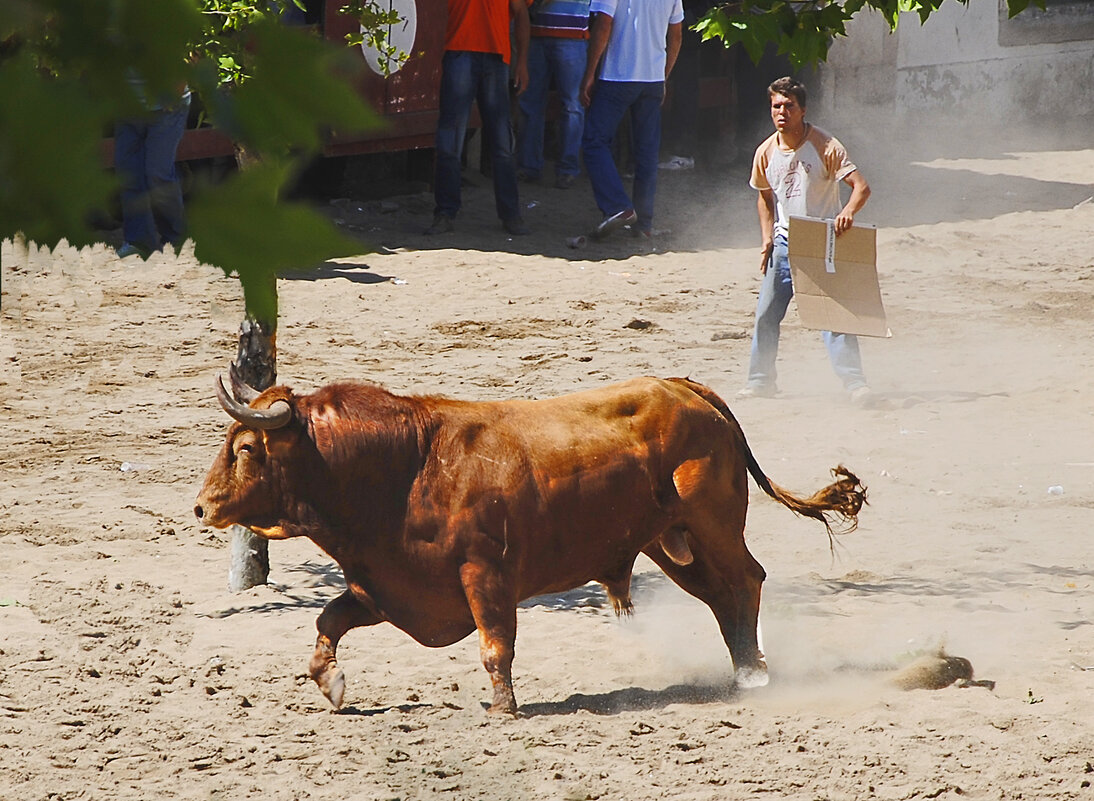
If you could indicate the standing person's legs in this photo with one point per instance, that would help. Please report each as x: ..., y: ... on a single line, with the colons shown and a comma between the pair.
x: 138, y: 225
x: 164, y: 191
x: 569, y: 68
x: 775, y: 293
x: 646, y: 128
x: 682, y: 122
x: 843, y: 352
x: 610, y: 101
x: 533, y: 108
x: 456, y: 95
x: 493, y: 97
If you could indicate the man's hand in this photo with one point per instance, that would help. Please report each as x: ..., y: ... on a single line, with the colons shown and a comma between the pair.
x: 520, y: 76
x: 765, y: 208
x: 844, y: 220
x: 860, y: 193
x: 600, y: 31
x: 518, y: 13
x: 586, y: 95
x: 765, y: 256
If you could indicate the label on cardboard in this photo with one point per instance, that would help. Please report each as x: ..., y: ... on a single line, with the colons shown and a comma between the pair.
x: 835, y: 277
x: 830, y: 247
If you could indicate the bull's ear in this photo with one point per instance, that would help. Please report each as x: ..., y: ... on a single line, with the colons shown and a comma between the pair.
x: 277, y: 416
x: 282, y: 443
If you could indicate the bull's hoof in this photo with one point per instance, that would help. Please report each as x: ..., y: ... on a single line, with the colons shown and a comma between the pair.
x: 751, y: 677
x: 502, y: 710
x: 333, y: 685
x: 505, y: 703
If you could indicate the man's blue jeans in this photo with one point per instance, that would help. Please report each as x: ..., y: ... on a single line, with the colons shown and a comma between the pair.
x: 564, y: 60
x: 611, y: 101
x: 465, y: 78
x: 144, y: 155
x: 775, y: 293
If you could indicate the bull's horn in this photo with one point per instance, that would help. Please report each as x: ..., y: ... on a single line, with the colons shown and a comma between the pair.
x: 277, y: 416
x: 243, y: 392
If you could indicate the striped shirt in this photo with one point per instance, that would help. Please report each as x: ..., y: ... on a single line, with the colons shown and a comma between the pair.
x: 561, y: 19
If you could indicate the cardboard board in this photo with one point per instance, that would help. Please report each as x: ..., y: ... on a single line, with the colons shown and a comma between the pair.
x: 835, y: 278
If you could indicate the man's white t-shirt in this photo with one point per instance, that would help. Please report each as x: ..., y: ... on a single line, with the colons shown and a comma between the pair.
x: 636, y: 50
x: 805, y: 180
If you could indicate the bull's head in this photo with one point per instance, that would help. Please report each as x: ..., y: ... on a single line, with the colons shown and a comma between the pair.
x: 242, y: 485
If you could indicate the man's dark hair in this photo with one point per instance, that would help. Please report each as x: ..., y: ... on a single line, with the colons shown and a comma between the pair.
x: 789, y: 87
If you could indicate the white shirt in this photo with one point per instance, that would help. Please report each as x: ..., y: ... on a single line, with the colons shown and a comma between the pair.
x: 636, y: 50
x: 805, y: 180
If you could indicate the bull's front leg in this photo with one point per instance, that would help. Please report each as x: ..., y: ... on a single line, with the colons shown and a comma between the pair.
x: 495, y: 614
x: 342, y: 614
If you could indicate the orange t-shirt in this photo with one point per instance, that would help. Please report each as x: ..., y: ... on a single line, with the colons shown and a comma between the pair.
x: 481, y: 26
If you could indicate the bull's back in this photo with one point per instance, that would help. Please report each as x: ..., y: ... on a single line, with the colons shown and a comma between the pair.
x: 582, y: 431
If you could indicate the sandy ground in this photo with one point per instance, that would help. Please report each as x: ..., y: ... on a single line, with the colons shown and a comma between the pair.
x: 127, y: 670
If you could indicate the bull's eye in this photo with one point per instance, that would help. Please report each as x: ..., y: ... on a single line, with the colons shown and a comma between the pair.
x: 246, y: 448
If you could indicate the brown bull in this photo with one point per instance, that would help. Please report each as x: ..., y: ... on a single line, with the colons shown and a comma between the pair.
x: 444, y: 515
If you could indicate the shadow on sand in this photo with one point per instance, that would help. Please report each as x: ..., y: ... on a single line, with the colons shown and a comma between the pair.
x: 632, y: 699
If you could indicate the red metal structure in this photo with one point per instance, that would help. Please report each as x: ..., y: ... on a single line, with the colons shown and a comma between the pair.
x: 407, y: 100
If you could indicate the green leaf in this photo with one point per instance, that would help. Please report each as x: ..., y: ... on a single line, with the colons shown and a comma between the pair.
x: 1015, y: 7
x: 242, y: 228
x: 156, y: 40
x: 295, y: 95
x: 51, y: 171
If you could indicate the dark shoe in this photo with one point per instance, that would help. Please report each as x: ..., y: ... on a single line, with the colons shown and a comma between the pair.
x: 528, y: 176
x: 517, y: 227
x: 615, y: 222
x: 442, y: 224
x: 565, y: 181
x: 127, y: 250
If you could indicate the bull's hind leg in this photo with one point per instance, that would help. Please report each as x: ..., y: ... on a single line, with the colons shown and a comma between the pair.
x: 495, y: 613
x: 726, y: 577
x: 713, y: 493
x: 342, y: 614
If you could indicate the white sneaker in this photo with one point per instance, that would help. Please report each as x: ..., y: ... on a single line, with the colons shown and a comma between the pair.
x: 678, y: 163
x: 863, y: 397
x: 757, y: 391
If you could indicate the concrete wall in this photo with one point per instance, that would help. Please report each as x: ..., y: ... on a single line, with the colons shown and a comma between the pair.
x: 967, y: 60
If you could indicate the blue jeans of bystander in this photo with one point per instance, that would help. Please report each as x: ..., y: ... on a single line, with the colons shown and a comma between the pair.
x: 775, y: 293
x: 610, y: 103
x: 564, y: 60
x: 465, y: 78
x: 151, y: 197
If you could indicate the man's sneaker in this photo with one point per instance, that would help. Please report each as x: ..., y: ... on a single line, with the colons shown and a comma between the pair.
x: 757, y: 391
x: 863, y: 397
x: 517, y: 227
x: 442, y: 224
x: 565, y: 181
x: 678, y: 163
x: 615, y: 222
x: 127, y: 250
x: 528, y: 177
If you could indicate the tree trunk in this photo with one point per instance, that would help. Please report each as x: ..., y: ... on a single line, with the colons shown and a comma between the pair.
x: 256, y: 362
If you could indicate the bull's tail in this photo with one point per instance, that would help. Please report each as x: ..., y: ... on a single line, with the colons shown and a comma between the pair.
x: 837, y: 505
